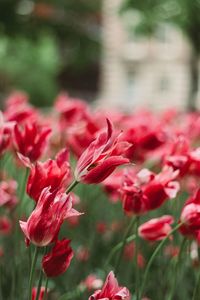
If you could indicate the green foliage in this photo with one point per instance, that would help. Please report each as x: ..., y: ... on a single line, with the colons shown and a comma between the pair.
x: 97, y: 208
x: 41, y: 40
x: 31, y: 66
x: 73, y: 23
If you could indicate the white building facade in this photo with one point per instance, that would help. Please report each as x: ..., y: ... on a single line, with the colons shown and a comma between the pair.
x: 142, y: 72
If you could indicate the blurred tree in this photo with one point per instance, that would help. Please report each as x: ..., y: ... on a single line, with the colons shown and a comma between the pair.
x: 185, y: 14
x: 30, y: 66
x: 73, y: 26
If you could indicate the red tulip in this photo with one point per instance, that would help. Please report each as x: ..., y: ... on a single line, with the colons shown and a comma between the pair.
x: 5, y: 133
x: 133, y: 201
x: 5, y: 225
x: 71, y: 110
x: 131, y: 192
x: 82, y: 133
x: 92, y: 282
x: 177, y: 155
x: 195, y: 162
x: 161, y: 188
x: 8, y: 191
x: 18, y: 109
x: 99, y: 160
x: 111, y: 290
x: 31, y: 140
x: 112, y: 185
x: 82, y: 254
x: 190, y: 216
x: 146, y: 191
x: 58, y: 260
x: 43, y: 225
x: 156, y: 229
x: 53, y: 173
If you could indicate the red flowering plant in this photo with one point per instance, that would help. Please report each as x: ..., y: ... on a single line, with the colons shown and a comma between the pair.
x: 111, y: 290
x: 57, y: 262
x: 5, y: 133
x: 41, y: 293
x: 51, y: 173
x: 190, y: 216
x: 44, y: 223
x: 18, y: 109
x: 146, y: 190
x: 156, y: 229
x: 101, y: 158
x: 131, y: 176
x: 30, y: 140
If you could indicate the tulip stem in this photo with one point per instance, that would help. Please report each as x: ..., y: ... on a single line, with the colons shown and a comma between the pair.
x: 177, y: 263
x: 136, y: 258
x: 32, y: 271
x: 39, y: 285
x: 46, y: 288
x: 123, y: 243
x: 72, y: 186
x: 195, y: 295
x: 153, y: 257
x: 23, y: 191
x: 118, y: 247
x: 40, y: 277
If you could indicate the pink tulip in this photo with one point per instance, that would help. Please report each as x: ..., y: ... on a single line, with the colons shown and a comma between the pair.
x: 111, y: 290
x: 43, y: 225
x: 99, y: 160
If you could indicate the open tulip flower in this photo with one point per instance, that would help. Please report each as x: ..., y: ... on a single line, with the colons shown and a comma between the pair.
x: 129, y: 173
x: 99, y: 160
x: 111, y: 290
x: 31, y: 140
x: 147, y: 191
x: 53, y: 173
x: 43, y: 225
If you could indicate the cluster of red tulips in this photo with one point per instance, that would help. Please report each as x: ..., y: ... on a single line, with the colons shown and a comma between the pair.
x: 147, y: 165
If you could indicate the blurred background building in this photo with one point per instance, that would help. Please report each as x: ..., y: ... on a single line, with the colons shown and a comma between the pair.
x: 143, y: 71
x: 122, y: 53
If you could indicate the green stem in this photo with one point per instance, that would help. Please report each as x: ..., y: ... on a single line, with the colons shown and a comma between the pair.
x: 32, y: 272
x: 46, y: 288
x: 136, y: 257
x: 39, y: 284
x: 176, y: 267
x: 29, y: 256
x: 128, y: 230
x: 16, y: 246
x: 195, y: 295
x: 118, y: 247
x: 153, y: 257
x: 23, y: 191
x: 1, y: 284
x: 45, y: 249
x: 75, y: 294
x: 72, y: 186
x: 4, y: 159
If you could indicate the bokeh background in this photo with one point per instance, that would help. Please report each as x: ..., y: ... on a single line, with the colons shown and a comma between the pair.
x: 116, y: 53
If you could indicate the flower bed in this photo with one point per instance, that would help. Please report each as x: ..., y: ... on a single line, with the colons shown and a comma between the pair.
x: 98, y: 205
